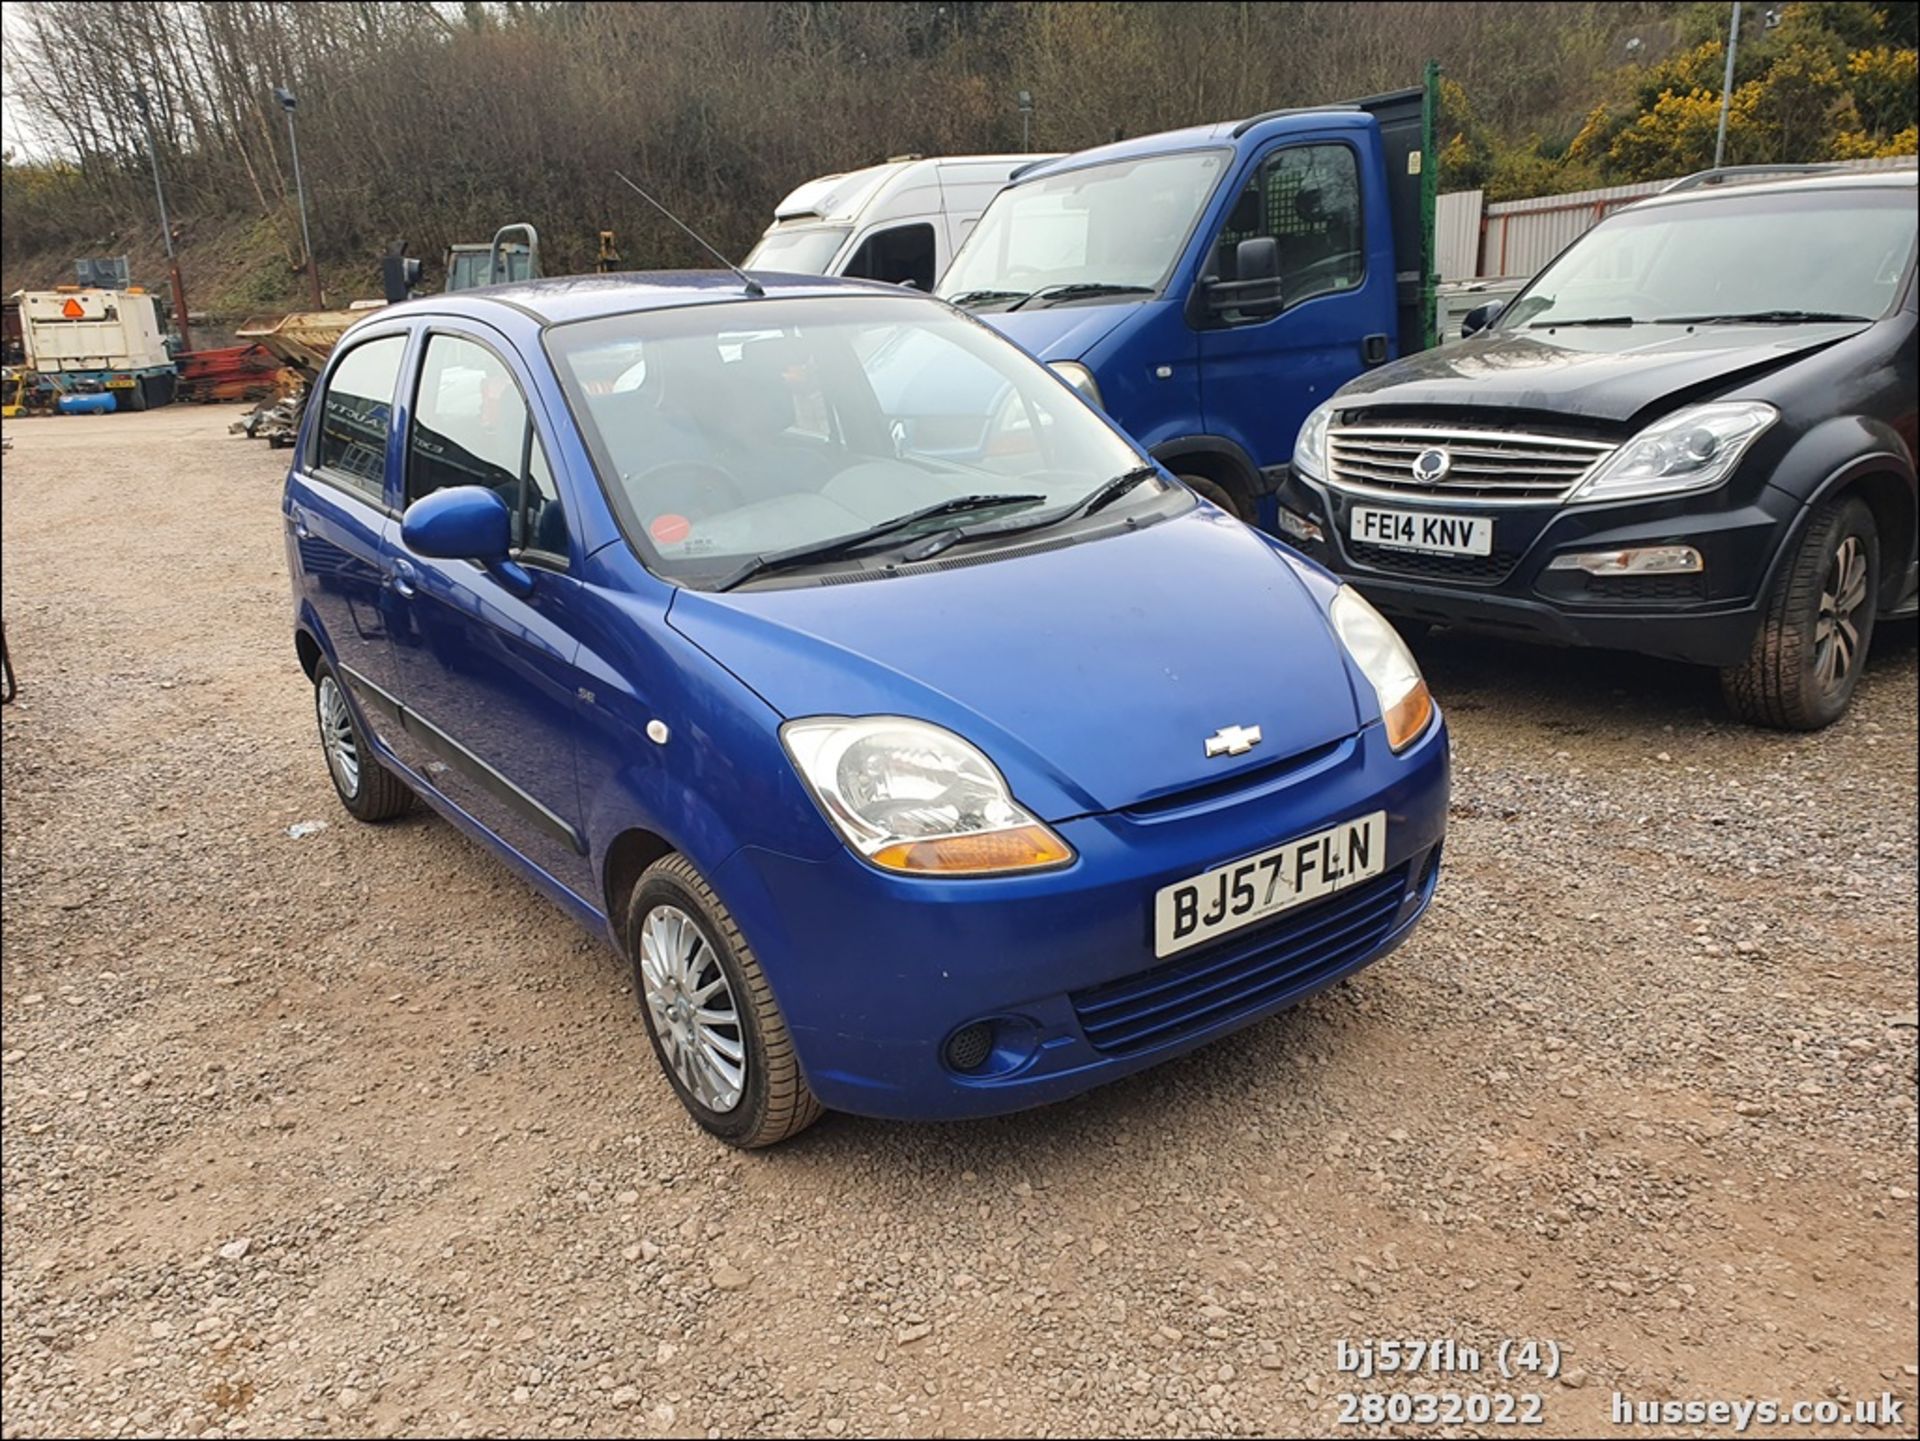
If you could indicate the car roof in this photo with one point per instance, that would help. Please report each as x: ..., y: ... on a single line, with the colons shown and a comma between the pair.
x: 565, y: 298
x: 1891, y: 178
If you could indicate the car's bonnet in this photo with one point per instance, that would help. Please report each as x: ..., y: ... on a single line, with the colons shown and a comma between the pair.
x: 1613, y: 373
x: 1092, y: 674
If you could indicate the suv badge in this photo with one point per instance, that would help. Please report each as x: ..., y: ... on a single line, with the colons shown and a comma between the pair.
x: 1430, y: 467
x: 1232, y: 741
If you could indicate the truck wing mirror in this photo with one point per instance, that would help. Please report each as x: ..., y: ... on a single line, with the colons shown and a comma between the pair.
x: 1256, y: 289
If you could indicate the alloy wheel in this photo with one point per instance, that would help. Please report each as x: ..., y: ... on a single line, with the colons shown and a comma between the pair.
x: 692, y: 1006
x: 1836, y: 631
x: 336, y: 734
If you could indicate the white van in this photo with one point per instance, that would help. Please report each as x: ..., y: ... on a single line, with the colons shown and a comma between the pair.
x: 901, y: 221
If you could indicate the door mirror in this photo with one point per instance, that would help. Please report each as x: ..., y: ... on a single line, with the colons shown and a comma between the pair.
x: 1478, y: 319
x: 1255, y: 288
x: 461, y: 522
x: 466, y: 522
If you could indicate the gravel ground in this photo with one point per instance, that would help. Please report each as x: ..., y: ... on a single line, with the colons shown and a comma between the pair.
x: 354, y: 1133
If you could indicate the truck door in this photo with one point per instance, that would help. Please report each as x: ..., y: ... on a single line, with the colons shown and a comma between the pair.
x: 1263, y: 368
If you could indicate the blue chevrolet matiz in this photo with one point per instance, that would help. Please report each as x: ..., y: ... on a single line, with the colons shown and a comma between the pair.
x: 925, y: 760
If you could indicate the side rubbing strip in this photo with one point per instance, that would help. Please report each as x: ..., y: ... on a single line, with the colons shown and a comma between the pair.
x: 371, y: 695
x: 490, y: 780
x: 465, y: 761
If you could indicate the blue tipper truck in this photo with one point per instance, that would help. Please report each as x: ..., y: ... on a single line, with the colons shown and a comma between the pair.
x: 1209, y: 287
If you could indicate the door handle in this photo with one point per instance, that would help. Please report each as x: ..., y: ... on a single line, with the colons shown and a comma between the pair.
x: 401, y: 579
x: 299, y: 519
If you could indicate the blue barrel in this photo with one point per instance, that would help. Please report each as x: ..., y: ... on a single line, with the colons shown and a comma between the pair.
x: 100, y: 403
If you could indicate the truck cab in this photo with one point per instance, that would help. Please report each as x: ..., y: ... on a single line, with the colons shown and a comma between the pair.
x: 1209, y: 287
x: 899, y: 222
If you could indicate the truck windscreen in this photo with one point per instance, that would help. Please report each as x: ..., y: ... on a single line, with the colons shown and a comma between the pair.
x: 1115, y: 226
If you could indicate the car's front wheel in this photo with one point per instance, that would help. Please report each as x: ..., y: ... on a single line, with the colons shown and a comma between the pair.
x: 710, y: 1013
x: 368, y: 790
x: 1817, y: 625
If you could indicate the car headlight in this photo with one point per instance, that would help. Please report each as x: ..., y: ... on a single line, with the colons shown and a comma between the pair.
x: 1079, y: 377
x: 909, y: 796
x: 1406, y: 706
x: 1691, y: 449
x: 1310, y: 450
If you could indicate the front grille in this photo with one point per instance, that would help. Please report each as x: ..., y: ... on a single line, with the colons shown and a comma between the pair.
x: 1493, y: 465
x: 1242, y: 973
x: 1485, y: 568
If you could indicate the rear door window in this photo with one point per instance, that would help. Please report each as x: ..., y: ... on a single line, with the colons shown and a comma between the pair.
x: 356, y: 415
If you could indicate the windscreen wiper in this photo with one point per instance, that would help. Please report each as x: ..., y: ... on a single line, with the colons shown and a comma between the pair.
x: 1101, y: 497
x: 981, y: 297
x: 849, y: 544
x: 1080, y: 289
x: 1762, y: 317
x: 1583, y: 320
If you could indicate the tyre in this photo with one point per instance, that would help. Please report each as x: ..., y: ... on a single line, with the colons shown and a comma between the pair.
x: 1816, y: 625
x: 134, y: 398
x: 368, y: 790
x: 1227, y: 500
x: 710, y: 1013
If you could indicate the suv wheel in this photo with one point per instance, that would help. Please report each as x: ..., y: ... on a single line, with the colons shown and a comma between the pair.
x: 710, y: 1013
x: 1818, y: 623
x: 1227, y: 500
x: 368, y: 790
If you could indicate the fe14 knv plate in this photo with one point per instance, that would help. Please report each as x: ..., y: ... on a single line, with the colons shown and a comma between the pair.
x: 1245, y: 891
x: 1422, y: 530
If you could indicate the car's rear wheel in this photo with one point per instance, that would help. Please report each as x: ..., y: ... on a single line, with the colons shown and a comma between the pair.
x: 368, y: 790
x: 710, y: 1013
x: 1817, y: 625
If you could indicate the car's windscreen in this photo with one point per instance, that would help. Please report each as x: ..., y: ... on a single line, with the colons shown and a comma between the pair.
x: 748, y: 429
x: 1117, y: 226
x: 1777, y: 255
x: 799, y: 252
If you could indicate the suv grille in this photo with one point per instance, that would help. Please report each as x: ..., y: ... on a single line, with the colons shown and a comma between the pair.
x: 1497, y: 465
x: 1488, y: 568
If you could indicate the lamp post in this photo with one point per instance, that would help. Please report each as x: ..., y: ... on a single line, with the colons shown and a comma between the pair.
x: 287, y: 101
x: 1726, y: 88
x: 1025, y: 99
x: 166, y: 226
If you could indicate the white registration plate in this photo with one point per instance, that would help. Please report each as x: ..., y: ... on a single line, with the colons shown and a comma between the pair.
x: 1422, y: 530
x: 1235, y: 895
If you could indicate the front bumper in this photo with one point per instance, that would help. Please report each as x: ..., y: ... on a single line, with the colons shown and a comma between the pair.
x: 1708, y: 618
x: 874, y: 972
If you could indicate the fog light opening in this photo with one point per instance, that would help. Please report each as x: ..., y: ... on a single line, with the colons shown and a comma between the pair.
x: 1295, y: 526
x: 1638, y: 560
x: 969, y: 1047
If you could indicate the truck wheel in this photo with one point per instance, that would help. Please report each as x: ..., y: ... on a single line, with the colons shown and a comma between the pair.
x: 133, y: 398
x: 710, y: 1013
x: 368, y: 790
x: 1817, y: 625
x: 1227, y: 500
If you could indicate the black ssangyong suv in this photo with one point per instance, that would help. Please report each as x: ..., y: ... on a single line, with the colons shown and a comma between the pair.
x: 1693, y: 435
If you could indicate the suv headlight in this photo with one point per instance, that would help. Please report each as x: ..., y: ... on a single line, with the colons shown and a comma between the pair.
x: 1692, y: 449
x: 1079, y: 377
x: 1405, y: 703
x: 1310, y: 450
x: 909, y: 796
